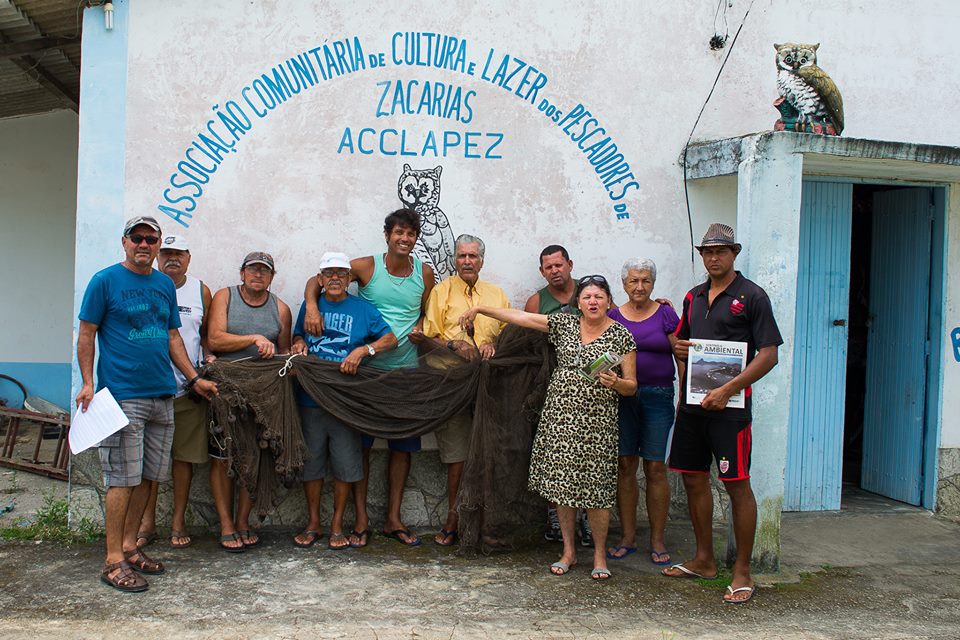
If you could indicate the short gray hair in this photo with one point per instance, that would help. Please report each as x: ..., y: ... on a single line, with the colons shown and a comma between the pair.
x: 638, y: 264
x: 466, y: 238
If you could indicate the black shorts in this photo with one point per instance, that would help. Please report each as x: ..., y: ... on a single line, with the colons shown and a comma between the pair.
x: 697, y: 438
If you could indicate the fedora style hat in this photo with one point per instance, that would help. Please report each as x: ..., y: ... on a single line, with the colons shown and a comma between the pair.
x: 719, y: 235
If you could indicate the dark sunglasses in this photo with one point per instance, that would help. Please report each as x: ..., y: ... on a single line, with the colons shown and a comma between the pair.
x: 150, y: 240
x: 330, y: 273
x: 594, y: 279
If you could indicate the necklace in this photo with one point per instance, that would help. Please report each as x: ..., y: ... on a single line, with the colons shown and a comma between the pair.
x: 397, y: 280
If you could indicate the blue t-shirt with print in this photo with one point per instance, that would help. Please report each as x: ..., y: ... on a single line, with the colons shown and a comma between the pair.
x: 347, y: 324
x: 134, y: 314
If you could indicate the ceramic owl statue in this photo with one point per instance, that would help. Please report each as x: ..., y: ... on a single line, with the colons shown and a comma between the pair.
x: 809, y: 100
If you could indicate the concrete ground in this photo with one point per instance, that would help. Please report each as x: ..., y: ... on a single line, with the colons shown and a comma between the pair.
x: 873, y: 570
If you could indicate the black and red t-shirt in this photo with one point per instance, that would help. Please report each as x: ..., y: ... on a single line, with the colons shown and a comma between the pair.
x: 740, y: 313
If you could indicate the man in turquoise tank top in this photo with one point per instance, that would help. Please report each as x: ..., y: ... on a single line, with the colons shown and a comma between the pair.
x: 398, y: 285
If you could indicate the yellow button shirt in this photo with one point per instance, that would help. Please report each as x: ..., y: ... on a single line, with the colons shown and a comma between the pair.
x: 449, y: 300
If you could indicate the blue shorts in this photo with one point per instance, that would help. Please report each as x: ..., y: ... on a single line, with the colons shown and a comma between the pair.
x: 645, y: 422
x: 325, y: 436
x: 405, y: 445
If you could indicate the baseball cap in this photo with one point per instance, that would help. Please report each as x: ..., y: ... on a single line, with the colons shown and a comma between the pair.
x: 258, y: 257
x: 175, y: 242
x: 334, y: 260
x: 150, y: 221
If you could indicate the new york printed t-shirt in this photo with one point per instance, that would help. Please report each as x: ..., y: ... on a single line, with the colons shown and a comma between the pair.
x: 347, y: 324
x: 134, y: 314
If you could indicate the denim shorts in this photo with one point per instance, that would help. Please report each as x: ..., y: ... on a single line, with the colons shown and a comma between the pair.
x: 325, y: 436
x: 645, y: 422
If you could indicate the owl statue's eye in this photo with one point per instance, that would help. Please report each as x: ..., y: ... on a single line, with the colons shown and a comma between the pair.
x: 803, y: 60
x: 788, y: 59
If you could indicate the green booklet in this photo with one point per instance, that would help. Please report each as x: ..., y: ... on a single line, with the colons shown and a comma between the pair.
x: 604, y: 363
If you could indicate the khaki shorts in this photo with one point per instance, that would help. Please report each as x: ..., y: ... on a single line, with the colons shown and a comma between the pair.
x: 453, y: 438
x: 190, y: 432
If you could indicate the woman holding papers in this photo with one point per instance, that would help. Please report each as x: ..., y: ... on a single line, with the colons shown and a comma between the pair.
x: 646, y: 417
x: 574, y: 458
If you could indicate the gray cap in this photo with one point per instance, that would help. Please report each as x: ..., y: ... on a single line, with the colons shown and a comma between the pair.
x: 137, y: 220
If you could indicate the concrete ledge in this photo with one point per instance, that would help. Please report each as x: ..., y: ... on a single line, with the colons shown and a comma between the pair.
x: 829, y: 156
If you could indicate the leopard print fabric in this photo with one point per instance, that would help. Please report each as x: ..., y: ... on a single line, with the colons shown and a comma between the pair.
x: 574, y: 458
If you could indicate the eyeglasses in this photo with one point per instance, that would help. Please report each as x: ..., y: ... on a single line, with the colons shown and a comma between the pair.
x: 150, y: 240
x: 594, y: 279
x: 258, y: 268
x: 330, y: 273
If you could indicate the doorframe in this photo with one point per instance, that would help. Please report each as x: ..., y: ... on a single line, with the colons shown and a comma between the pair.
x: 933, y: 407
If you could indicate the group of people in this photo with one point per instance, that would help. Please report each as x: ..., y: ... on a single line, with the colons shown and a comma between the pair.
x: 155, y: 328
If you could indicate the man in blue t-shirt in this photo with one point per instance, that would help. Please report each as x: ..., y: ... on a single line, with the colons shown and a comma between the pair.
x: 130, y: 309
x: 353, y: 329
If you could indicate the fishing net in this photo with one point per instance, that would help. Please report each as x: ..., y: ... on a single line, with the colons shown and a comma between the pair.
x: 257, y: 413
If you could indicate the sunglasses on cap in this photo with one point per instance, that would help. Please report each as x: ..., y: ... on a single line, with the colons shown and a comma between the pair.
x: 138, y: 238
x: 594, y: 279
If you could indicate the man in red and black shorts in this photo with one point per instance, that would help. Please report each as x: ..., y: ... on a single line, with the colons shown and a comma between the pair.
x: 726, y: 307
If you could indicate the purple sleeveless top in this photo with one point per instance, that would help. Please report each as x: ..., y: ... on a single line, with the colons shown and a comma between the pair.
x: 654, y: 355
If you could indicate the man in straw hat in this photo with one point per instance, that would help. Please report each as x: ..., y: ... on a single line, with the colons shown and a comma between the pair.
x: 731, y: 308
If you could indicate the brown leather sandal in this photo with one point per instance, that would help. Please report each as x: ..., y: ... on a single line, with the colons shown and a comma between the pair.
x: 142, y: 563
x: 126, y: 579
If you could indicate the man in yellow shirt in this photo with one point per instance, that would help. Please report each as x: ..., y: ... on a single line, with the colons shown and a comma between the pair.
x: 447, y: 344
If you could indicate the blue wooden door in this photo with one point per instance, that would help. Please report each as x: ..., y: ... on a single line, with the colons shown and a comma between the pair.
x: 897, y: 344
x: 815, y: 444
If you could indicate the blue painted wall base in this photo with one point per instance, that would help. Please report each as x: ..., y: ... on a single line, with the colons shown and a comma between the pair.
x: 49, y: 380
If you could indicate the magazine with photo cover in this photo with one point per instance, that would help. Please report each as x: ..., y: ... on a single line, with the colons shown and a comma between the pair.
x: 711, y: 364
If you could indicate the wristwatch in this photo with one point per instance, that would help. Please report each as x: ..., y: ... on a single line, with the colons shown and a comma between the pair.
x: 371, y: 350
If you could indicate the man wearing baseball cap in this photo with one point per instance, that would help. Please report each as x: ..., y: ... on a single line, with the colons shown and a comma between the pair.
x: 353, y: 330
x: 189, y: 412
x: 130, y: 309
x: 725, y: 307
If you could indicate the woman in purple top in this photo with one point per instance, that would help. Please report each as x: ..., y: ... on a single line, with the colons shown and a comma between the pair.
x: 646, y: 417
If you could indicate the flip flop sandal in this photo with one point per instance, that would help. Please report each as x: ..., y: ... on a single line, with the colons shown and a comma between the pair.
x: 148, y: 537
x: 247, y: 533
x: 126, y: 580
x: 732, y: 592
x: 312, y: 537
x: 362, y: 536
x: 611, y: 555
x: 599, y: 573
x: 687, y: 573
x: 228, y: 538
x: 562, y: 568
x: 340, y: 538
x: 659, y: 554
x: 180, y: 534
x: 411, y: 541
x: 446, y: 538
x: 142, y: 563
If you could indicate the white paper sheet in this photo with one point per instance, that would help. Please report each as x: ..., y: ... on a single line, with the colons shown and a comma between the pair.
x: 103, y: 418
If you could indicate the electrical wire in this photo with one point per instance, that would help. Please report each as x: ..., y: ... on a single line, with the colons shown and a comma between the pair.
x: 686, y: 192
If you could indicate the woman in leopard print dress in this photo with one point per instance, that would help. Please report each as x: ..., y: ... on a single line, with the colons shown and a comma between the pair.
x: 574, y: 458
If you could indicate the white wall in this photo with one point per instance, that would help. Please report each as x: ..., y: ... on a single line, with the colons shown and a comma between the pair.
x: 38, y: 171
x: 643, y: 70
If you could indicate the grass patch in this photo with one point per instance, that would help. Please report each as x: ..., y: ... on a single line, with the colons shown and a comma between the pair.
x: 50, y: 524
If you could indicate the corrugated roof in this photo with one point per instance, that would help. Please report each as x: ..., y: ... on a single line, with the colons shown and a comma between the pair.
x: 39, y: 55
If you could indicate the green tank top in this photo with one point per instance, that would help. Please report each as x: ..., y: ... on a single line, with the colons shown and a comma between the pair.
x: 548, y: 304
x: 398, y: 301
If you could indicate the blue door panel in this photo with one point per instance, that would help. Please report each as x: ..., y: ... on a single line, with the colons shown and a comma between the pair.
x: 815, y: 444
x: 893, y: 426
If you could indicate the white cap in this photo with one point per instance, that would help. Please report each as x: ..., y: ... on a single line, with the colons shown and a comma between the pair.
x: 175, y: 242
x: 334, y: 260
